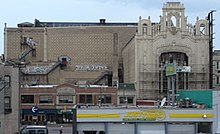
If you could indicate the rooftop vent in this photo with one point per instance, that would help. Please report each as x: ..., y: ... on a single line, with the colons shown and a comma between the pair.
x: 102, y: 21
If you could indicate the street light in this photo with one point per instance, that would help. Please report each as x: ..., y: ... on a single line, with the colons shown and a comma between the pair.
x: 74, y: 119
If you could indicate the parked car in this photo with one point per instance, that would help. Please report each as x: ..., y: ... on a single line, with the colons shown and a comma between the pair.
x: 34, y: 129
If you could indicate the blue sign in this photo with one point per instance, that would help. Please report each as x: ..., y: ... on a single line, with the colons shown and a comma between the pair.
x: 34, y: 109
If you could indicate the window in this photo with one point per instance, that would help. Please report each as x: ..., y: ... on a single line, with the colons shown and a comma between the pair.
x: 46, y: 99
x: 27, y: 98
x: 130, y: 100
x: 7, y: 105
x: 8, y: 80
x: 144, y: 28
x: 202, y: 29
x: 122, y: 100
x: 89, y: 98
x: 173, y: 21
x: 85, y: 99
x: 217, y: 67
x: 82, y: 98
x: 65, y: 99
x: 108, y: 99
x: 217, y: 81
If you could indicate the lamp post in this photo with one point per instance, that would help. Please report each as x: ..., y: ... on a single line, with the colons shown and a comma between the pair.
x: 74, y: 119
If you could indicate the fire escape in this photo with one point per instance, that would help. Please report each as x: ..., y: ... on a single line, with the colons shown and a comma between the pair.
x: 31, y: 44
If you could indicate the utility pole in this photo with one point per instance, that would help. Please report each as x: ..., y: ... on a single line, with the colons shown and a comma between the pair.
x: 74, y: 119
x: 170, y: 73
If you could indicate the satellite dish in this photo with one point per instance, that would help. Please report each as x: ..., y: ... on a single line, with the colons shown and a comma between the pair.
x: 163, y: 102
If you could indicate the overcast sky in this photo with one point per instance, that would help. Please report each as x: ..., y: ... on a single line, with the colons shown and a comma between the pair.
x: 13, y: 12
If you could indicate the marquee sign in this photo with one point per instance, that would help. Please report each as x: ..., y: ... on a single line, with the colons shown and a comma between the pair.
x: 149, y: 115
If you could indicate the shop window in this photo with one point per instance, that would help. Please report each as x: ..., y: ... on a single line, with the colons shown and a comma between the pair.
x: 26, y: 118
x: 46, y: 99
x: 27, y: 98
x: 65, y: 99
x: 30, y: 118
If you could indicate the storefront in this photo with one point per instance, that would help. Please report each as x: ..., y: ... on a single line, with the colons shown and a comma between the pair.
x: 47, y: 116
x: 145, y: 121
x: 42, y: 117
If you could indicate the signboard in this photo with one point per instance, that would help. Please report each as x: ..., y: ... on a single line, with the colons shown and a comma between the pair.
x: 170, y: 69
x: 91, y: 67
x: 149, y: 115
x: 64, y: 111
x: 34, y: 109
x: 183, y: 69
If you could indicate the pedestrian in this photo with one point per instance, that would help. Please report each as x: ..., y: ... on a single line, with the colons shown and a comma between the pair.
x: 61, y: 129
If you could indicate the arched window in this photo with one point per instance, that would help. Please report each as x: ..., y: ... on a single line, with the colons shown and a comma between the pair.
x: 202, y: 29
x: 173, y: 21
x: 145, y: 29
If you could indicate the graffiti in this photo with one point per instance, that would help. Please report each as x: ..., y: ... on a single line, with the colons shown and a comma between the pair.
x: 91, y: 67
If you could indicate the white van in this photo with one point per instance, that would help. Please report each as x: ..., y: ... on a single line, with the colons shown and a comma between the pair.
x: 34, y: 130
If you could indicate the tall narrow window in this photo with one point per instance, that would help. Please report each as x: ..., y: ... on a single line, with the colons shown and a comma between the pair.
x: 8, y: 80
x: 202, y: 29
x: 7, y: 102
x: 7, y: 105
x: 173, y: 21
x: 217, y: 65
x: 145, y: 29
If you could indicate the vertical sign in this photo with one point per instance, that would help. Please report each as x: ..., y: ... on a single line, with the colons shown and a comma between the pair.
x: 170, y: 69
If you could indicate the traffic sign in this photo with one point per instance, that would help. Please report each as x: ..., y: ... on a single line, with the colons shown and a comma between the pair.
x: 34, y: 109
x: 170, y: 69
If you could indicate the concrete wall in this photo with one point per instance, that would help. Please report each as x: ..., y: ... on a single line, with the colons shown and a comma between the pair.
x: 9, y: 121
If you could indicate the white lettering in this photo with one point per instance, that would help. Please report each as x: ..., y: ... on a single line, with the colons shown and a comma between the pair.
x: 91, y: 67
